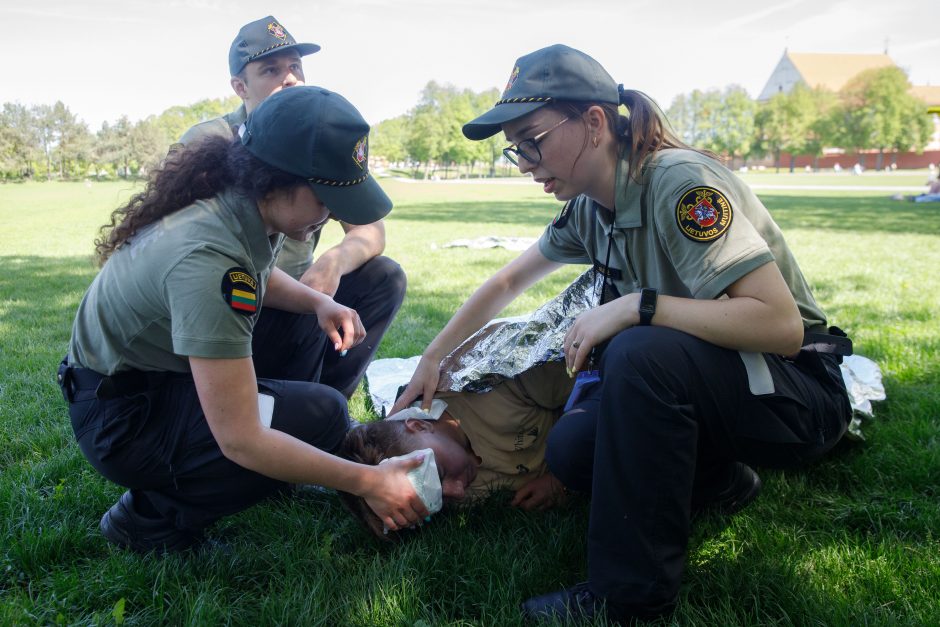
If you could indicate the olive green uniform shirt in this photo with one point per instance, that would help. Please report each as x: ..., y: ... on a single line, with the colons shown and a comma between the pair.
x: 295, y: 257
x: 649, y: 246
x: 508, y: 426
x: 160, y: 298
x: 225, y: 126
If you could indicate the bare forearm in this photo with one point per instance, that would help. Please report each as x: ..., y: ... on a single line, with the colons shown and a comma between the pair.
x: 758, y: 315
x: 228, y: 395
x: 283, y: 292
x: 280, y: 456
x: 490, y: 299
x: 741, y: 323
x: 359, y: 245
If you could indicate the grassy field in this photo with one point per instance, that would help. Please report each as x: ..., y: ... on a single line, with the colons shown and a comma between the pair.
x: 850, y: 541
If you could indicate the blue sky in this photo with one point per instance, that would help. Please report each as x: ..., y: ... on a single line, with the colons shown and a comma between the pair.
x: 104, y: 58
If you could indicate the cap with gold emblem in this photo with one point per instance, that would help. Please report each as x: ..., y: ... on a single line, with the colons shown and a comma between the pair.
x: 261, y: 38
x: 317, y: 134
x: 540, y: 78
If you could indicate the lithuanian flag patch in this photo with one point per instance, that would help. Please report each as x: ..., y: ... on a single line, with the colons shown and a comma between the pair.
x: 240, y: 290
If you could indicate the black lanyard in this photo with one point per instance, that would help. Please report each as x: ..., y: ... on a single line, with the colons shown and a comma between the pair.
x: 606, y: 273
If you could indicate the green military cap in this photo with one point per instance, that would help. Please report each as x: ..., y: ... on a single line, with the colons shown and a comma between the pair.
x: 261, y: 38
x: 542, y: 77
x: 317, y: 134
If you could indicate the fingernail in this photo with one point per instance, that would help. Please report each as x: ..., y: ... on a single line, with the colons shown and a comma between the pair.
x: 343, y: 352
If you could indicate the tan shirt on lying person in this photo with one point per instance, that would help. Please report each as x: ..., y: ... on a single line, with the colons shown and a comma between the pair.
x: 508, y: 426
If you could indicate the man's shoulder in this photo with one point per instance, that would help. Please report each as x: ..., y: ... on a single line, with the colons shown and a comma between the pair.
x: 219, y: 127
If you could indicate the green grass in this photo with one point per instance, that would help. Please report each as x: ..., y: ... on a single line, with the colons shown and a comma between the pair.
x: 852, y: 540
x: 899, y: 178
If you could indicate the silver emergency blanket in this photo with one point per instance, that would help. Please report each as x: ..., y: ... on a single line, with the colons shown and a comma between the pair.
x: 502, y: 349
x: 862, y: 379
x: 510, y: 346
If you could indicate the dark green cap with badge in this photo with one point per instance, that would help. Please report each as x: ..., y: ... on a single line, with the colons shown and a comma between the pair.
x: 548, y: 75
x: 261, y: 38
x: 317, y: 134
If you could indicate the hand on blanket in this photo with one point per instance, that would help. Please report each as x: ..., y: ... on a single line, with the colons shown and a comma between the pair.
x: 423, y: 383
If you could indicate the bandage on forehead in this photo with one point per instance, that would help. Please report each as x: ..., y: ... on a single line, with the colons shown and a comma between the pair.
x: 414, y: 411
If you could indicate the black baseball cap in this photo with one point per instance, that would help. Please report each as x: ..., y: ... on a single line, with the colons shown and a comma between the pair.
x: 259, y: 39
x: 539, y: 78
x: 317, y: 134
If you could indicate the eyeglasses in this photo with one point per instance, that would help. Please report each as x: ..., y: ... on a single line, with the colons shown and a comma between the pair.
x: 528, y: 149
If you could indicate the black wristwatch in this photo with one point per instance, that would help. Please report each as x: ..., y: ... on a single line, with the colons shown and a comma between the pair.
x: 647, y: 305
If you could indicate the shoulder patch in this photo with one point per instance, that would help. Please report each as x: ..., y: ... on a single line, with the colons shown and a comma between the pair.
x: 703, y: 214
x: 562, y: 218
x: 240, y: 290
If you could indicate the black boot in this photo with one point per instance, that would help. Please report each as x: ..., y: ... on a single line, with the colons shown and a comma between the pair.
x: 731, y: 495
x: 125, y: 527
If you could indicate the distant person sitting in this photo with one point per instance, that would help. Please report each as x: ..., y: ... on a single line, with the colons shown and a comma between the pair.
x: 933, y: 193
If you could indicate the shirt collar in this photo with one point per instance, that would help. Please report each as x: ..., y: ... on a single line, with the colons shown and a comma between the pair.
x: 627, y: 200
x: 254, y: 232
x: 237, y: 117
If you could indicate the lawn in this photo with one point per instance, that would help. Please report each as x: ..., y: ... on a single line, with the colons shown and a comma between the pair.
x: 852, y: 540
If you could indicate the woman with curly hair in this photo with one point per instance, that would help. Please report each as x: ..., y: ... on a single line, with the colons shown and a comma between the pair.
x: 162, y: 392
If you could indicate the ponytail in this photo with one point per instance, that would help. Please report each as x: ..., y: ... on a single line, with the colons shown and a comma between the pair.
x: 646, y: 130
x: 642, y: 132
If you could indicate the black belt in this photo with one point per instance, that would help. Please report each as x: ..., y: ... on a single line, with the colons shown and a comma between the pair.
x: 126, y: 383
x: 835, y: 342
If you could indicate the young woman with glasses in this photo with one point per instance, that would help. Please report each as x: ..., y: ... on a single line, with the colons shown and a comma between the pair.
x: 712, y: 352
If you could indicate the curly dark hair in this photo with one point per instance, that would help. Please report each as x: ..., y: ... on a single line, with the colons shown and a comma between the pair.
x: 370, y: 443
x: 198, y: 171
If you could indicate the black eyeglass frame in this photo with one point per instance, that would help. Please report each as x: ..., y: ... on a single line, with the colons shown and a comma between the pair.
x: 520, y: 149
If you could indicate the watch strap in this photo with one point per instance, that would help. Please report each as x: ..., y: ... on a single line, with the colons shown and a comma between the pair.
x: 648, y: 297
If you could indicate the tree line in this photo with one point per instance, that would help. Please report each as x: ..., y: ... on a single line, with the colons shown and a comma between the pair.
x: 874, y: 111
x: 50, y: 142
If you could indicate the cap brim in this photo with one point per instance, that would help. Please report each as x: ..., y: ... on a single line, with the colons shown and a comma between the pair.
x: 363, y: 203
x: 302, y: 49
x: 491, y: 122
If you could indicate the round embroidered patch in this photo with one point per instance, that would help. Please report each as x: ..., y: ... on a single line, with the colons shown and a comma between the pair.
x: 703, y: 214
x: 240, y: 290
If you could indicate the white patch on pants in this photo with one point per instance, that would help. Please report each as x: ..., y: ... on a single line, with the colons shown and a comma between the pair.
x: 759, y: 379
x: 266, y: 409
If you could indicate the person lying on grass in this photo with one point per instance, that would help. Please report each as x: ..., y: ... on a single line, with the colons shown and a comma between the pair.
x: 482, y: 442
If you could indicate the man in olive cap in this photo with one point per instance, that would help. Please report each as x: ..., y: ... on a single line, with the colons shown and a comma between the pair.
x: 264, y: 59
